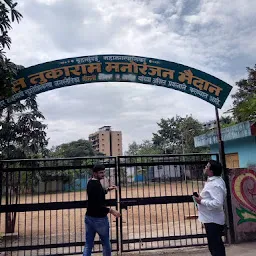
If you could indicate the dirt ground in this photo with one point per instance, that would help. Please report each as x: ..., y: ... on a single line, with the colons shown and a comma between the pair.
x: 65, y: 226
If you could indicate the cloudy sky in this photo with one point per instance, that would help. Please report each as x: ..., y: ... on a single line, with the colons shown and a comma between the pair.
x: 215, y: 36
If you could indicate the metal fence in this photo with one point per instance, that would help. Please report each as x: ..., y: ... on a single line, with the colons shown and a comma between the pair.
x: 156, y: 201
x: 43, y: 203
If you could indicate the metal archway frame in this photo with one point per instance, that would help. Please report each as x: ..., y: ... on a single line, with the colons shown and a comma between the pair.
x: 117, y: 68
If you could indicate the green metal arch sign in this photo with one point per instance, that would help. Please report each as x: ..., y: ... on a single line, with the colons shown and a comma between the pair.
x: 117, y: 68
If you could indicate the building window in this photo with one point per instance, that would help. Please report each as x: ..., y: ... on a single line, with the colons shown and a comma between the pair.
x: 118, y: 145
x: 103, y: 145
x: 102, y: 134
x: 102, y: 139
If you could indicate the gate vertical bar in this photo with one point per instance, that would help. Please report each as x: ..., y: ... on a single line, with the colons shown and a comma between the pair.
x: 223, y: 162
x: 1, y: 182
x: 119, y: 241
x: 117, y: 197
x: 7, y: 201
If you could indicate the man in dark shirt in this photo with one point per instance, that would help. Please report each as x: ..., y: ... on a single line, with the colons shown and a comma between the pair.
x: 96, y: 220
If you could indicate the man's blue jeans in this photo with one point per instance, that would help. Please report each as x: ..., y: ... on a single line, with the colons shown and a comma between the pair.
x: 100, y: 226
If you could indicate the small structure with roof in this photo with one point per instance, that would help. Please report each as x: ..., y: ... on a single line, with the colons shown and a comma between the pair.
x: 239, y: 142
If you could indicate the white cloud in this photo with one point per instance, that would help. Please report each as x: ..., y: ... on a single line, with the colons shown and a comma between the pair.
x: 214, y: 36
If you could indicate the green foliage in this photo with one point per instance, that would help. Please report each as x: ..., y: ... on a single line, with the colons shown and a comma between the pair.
x: 133, y: 149
x: 79, y: 148
x: 176, y: 135
x: 75, y: 149
x: 245, y: 98
x: 8, y: 14
x: 227, y: 121
x: 22, y: 133
x: 8, y: 71
x: 145, y: 148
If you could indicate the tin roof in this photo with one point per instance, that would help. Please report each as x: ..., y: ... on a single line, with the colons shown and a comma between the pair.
x: 241, y: 130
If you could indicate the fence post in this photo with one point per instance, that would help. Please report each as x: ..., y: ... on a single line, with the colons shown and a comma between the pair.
x: 119, y: 220
x: 226, y: 178
x: 7, y: 215
x: 1, y: 182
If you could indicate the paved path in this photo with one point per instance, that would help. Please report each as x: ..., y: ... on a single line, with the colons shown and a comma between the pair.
x: 245, y: 249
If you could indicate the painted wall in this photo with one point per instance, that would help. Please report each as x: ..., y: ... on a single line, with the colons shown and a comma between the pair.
x: 243, y: 195
x: 245, y: 147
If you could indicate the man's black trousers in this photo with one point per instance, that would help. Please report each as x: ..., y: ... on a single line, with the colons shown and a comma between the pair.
x: 214, y: 233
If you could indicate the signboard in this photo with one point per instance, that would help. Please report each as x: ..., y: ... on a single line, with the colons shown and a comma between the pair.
x: 237, y: 131
x: 117, y: 68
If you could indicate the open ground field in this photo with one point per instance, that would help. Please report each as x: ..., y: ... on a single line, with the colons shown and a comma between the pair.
x: 138, y: 222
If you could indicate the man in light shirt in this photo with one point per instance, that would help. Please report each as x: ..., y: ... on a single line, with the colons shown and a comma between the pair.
x: 210, y: 207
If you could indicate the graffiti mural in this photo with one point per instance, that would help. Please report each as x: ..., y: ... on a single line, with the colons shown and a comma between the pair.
x: 244, y: 191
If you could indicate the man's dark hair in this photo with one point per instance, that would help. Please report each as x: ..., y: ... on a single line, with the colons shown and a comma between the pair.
x: 98, y: 167
x: 215, y: 167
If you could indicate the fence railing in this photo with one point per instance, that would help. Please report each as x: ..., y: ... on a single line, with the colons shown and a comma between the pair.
x: 156, y: 200
x: 43, y: 202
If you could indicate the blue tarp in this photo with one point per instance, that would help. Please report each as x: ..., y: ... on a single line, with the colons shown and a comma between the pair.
x: 138, y: 178
x: 76, y: 185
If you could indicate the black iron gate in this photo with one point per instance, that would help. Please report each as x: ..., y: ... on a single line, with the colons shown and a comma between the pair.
x: 155, y: 200
x: 43, y: 203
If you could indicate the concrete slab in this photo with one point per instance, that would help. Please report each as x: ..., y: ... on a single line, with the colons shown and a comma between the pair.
x: 245, y: 249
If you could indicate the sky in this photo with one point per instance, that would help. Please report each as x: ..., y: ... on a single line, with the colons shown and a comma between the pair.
x: 214, y: 36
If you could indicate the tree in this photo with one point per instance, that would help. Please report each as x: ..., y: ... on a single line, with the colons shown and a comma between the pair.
x: 168, y: 137
x: 22, y: 135
x: 79, y: 148
x: 190, y: 128
x: 176, y: 135
x: 226, y: 121
x: 8, y: 14
x: 133, y: 149
x: 245, y: 98
x: 148, y: 148
x: 145, y: 148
